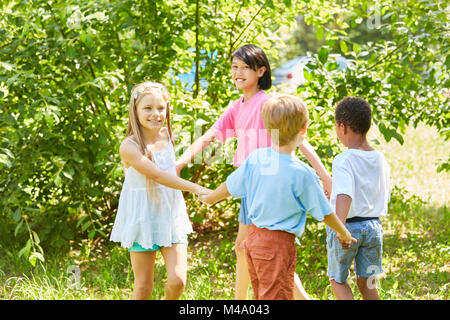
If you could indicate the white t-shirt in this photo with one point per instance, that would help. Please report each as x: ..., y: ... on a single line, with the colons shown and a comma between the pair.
x: 363, y: 176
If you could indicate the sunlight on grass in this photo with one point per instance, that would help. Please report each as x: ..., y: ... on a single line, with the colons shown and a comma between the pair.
x: 413, y: 164
x: 415, y: 259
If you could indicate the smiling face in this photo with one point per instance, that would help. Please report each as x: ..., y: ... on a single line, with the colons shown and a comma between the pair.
x: 152, y: 111
x: 243, y: 76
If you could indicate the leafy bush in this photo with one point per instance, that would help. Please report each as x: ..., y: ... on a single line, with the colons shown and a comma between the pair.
x: 67, y: 67
x: 66, y: 71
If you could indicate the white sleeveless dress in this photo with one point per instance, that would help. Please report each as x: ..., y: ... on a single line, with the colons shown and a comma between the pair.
x: 148, y: 222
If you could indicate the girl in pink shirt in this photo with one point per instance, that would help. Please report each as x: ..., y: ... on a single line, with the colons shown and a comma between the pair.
x: 250, y: 72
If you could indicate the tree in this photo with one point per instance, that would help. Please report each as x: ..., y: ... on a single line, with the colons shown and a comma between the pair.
x: 66, y: 71
x: 67, y: 68
x: 402, y: 70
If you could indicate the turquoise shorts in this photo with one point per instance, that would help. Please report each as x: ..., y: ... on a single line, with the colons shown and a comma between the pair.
x: 136, y: 247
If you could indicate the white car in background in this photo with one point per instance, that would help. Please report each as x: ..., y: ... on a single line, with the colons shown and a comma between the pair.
x: 290, y: 75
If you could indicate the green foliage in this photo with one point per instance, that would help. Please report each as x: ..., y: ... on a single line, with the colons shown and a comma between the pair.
x: 399, y: 61
x: 403, y: 73
x: 67, y: 67
x: 66, y: 70
x: 415, y: 263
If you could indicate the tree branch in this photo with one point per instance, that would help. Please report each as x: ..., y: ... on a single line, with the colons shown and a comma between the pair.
x: 95, y: 77
x: 232, y: 29
x: 386, y: 56
x: 248, y: 25
x: 197, y: 50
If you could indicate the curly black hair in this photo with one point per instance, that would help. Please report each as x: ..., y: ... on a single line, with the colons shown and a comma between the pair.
x: 354, y: 112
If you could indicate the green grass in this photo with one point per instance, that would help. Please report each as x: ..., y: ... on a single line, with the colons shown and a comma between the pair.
x: 413, y: 164
x: 415, y: 259
x: 416, y: 264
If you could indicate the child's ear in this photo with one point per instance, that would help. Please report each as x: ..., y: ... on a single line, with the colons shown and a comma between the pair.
x: 260, y: 71
x: 345, y: 128
x: 304, y: 129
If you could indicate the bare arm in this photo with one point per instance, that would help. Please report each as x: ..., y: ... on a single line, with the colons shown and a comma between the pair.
x: 318, y: 166
x: 343, y: 203
x: 195, y: 148
x: 334, y: 223
x: 217, y: 195
x: 344, y: 236
x: 132, y: 156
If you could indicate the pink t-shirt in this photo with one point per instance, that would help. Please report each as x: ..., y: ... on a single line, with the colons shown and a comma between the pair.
x: 243, y: 120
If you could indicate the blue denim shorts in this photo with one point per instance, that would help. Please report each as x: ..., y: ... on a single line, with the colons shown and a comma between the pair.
x: 243, y: 213
x: 367, y: 252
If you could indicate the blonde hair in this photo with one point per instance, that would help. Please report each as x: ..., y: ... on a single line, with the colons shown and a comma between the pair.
x: 284, y: 116
x: 134, y: 127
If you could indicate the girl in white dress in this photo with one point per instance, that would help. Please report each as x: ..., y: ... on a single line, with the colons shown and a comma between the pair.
x: 152, y: 213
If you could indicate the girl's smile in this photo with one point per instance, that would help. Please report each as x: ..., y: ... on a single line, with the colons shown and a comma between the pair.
x: 152, y: 111
x: 243, y: 76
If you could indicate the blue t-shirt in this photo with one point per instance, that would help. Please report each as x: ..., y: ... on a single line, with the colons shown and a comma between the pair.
x: 279, y: 190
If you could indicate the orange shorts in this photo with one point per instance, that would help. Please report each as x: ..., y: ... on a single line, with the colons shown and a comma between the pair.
x: 271, y: 258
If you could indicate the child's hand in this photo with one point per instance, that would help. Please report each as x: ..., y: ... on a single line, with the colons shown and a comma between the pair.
x: 204, y: 198
x: 326, y: 193
x: 210, y: 197
x: 345, y: 240
x: 202, y: 191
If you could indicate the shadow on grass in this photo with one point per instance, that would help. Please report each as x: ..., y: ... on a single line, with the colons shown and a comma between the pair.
x: 415, y: 261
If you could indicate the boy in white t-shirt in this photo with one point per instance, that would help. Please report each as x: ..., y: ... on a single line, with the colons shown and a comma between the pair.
x: 359, y: 196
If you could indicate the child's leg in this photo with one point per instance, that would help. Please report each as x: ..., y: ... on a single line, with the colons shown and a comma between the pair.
x: 368, y: 261
x: 272, y: 255
x: 242, y: 275
x: 143, y: 264
x: 342, y: 291
x: 367, y: 292
x: 340, y: 261
x: 252, y: 274
x: 175, y: 258
x: 299, y: 291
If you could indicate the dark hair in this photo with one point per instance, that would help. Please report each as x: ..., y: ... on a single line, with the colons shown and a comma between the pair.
x: 355, y: 113
x: 255, y: 58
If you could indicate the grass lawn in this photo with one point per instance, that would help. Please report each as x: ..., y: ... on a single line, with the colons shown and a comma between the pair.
x: 416, y: 258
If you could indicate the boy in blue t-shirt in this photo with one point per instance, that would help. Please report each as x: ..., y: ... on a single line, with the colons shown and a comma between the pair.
x: 360, y: 195
x: 280, y: 190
